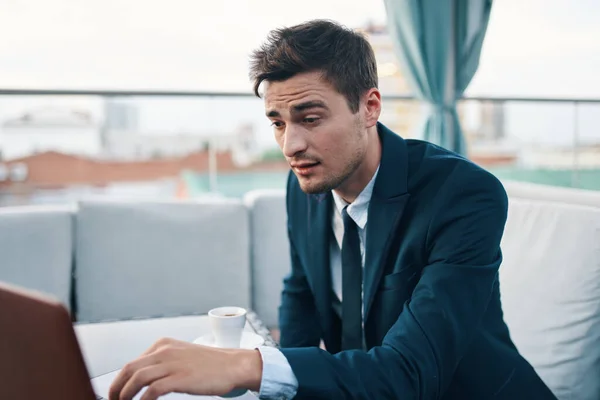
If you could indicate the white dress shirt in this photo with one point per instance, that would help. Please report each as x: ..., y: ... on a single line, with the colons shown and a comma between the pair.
x: 278, y: 379
x: 358, y: 211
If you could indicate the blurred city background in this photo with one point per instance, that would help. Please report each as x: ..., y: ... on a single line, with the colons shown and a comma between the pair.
x: 151, y: 99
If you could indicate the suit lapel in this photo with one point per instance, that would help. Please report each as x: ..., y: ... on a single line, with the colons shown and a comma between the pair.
x: 385, y: 210
x: 386, y: 207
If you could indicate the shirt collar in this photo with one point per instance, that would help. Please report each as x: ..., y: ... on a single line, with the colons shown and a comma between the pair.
x: 359, y: 209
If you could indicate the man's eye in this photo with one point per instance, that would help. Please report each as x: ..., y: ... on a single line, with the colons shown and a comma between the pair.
x: 277, y: 124
x: 311, y: 120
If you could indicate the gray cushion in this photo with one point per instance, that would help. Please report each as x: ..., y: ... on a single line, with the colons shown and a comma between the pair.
x: 550, y: 286
x: 36, y: 246
x: 270, y: 251
x: 534, y: 191
x: 141, y: 259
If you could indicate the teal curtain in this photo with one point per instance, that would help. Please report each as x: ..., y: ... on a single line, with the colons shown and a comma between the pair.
x: 439, y: 43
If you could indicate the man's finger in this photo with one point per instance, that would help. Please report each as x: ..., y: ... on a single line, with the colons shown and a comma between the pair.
x: 143, y: 377
x: 126, y: 373
x: 160, y: 387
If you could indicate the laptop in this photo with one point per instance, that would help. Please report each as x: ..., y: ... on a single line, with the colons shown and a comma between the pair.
x: 40, y: 357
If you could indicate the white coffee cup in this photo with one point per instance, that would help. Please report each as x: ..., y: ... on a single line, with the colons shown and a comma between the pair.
x: 227, y: 324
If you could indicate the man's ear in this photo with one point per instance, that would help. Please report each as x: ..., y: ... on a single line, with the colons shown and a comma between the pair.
x: 371, y: 107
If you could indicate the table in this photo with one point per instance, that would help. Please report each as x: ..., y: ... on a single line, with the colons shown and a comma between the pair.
x: 107, y: 346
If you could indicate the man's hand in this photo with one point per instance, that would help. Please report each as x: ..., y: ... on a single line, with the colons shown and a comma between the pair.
x: 173, y: 366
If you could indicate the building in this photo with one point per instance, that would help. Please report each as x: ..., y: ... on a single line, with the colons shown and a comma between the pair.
x: 120, y: 115
x: 135, y: 145
x: 402, y: 116
x: 63, y: 130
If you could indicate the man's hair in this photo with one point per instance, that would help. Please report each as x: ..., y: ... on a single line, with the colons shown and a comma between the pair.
x: 345, y: 57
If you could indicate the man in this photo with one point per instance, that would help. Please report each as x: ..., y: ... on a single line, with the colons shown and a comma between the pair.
x: 395, y: 249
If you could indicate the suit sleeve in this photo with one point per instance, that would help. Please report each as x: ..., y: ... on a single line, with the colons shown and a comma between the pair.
x: 298, y: 318
x: 421, y: 351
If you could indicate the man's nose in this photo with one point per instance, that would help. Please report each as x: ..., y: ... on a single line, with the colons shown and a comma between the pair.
x: 294, y: 141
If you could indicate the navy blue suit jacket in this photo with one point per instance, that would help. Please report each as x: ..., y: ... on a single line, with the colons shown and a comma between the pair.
x: 433, y: 320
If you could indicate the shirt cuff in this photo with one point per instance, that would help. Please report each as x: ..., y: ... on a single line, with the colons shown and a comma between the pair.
x: 278, y: 379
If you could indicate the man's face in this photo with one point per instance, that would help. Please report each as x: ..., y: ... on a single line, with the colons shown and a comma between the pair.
x: 322, y: 140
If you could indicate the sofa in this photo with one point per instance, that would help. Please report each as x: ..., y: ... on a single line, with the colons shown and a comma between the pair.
x: 121, y: 260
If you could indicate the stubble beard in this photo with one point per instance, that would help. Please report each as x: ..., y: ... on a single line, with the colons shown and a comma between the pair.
x: 331, y: 182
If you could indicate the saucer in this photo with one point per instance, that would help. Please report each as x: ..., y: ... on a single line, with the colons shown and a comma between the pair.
x: 250, y: 340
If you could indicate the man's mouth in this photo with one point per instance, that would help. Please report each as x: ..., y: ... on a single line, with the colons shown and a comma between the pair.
x: 304, y: 168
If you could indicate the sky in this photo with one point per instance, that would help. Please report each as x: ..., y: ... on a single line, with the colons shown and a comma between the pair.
x: 541, y: 48
x: 189, y: 44
x: 533, y: 48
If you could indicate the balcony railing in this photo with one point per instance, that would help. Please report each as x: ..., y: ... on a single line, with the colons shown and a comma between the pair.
x: 553, y: 141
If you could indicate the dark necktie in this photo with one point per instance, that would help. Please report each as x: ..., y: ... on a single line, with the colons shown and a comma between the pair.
x: 351, y: 285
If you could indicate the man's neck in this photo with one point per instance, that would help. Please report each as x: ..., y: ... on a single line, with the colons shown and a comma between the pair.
x: 356, y: 182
